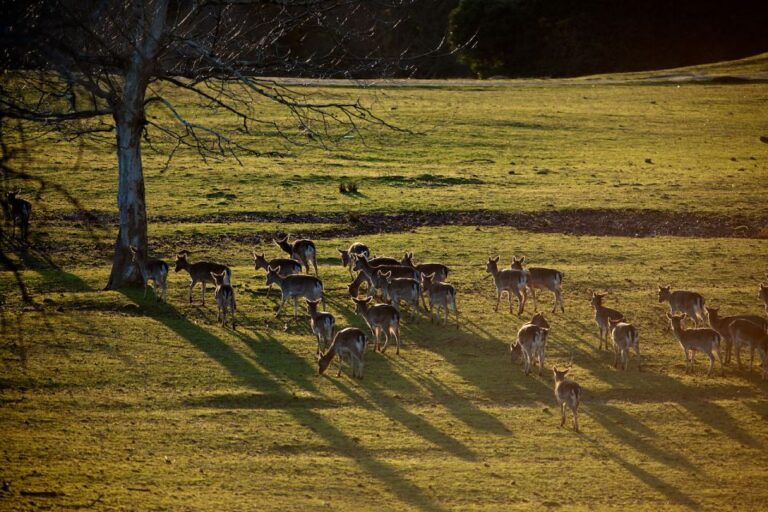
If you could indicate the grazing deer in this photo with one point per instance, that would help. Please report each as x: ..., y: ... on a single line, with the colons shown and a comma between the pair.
x: 200, y: 272
x: 701, y: 339
x: 568, y: 393
x: 602, y: 317
x: 349, y: 342
x: 295, y: 286
x: 625, y: 337
x: 288, y: 267
x: 356, y: 249
x: 381, y: 318
x: 530, y: 344
x: 156, y: 270
x: 322, y: 324
x: 18, y: 210
x: 763, y: 295
x: 439, y: 270
x: 225, y: 297
x: 743, y: 332
x: 510, y: 281
x: 441, y: 295
x: 681, y: 301
x: 354, y: 286
x: 402, y: 288
x: 363, y: 266
x: 544, y: 279
x: 302, y: 250
x: 722, y: 325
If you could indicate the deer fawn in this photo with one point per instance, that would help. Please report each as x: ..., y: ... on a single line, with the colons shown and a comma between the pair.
x: 602, y: 317
x: 349, y: 342
x: 225, y: 297
x: 381, y: 318
x: 402, y: 288
x: 200, y: 272
x: 510, y: 281
x: 722, y: 325
x: 681, y: 301
x: 544, y: 279
x: 763, y: 295
x: 746, y: 332
x: 302, y: 250
x: 156, y: 270
x: 625, y: 337
x: 18, y: 210
x: 530, y: 344
x: 288, y: 267
x: 322, y: 324
x: 295, y: 286
x: 442, y: 295
x: 356, y: 249
x: 439, y: 270
x: 702, y: 339
x: 568, y: 393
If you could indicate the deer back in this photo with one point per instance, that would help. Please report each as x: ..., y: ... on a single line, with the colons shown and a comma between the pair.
x: 301, y: 285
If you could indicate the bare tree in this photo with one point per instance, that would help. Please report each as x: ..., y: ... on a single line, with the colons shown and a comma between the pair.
x: 93, y: 69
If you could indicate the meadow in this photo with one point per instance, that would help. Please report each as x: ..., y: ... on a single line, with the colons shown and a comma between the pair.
x: 112, y: 402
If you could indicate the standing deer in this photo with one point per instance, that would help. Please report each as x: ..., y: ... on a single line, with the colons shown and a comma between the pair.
x: 530, y: 344
x: 295, y: 286
x: 602, y: 317
x: 568, y: 393
x: 225, y: 298
x: 625, y: 337
x: 442, y: 295
x: 722, y: 325
x: 681, y: 301
x: 156, y: 270
x: 356, y: 249
x: 702, y: 339
x: 288, y: 267
x: 544, y: 279
x: 402, y: 288
x: 349, y: 342
x: 302, y: 250
x: 511, y: 281
x: 381, y: 318
x: 439, y: 270
x: 745, y: 332
x: 18, y: 210
x: 200, y: 272
x: 322, y: 324
x: 763, y: 295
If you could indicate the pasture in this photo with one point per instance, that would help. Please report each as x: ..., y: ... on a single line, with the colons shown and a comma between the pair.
x: 112, y: 402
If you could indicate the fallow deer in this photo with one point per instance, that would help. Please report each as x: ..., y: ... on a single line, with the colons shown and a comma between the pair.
x: 350, y: 343
x: 18, y: 211
x: 530, y: 343
x: 540, y: 278
x: 568, y: 393
x: 681, y: 301
x: 722, y: 325
x: 322, y: 324
x: 288, y: 267
x: 602, y: 316
x: 356, y: 249
x: 625, y: 337
x: 225, y: 298
x: 701, y: 339
x: 507, y: 280
x: 442, y: 295
x: 295, y: 286
x: 381, y: 318
x: 745, y: 332
x: 302, y: 250
x: 156, y: 270
x: 200, y: 272
x: 402, y: 288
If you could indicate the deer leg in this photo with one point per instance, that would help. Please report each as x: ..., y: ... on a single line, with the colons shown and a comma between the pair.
x: 282, y: 303
x: 728, y: 346
x: 535, y: 300
x: 191, y: 286
x: 711, y: 363
x: 340, y: 361
x: 751, y: 355
x: 314, y: 264
x: 203, y: 285
x: 576, y: 419
x: 386, y: 339
x: 562, y: 414
x: 396, y: 334
x: 295, y: 307
x: 738, y: 355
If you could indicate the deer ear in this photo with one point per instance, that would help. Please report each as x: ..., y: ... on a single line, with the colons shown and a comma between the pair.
x: 496, y: 259
x: 341, y: 251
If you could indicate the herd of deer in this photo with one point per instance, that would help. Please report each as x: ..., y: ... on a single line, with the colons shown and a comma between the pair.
x: 402, y: 280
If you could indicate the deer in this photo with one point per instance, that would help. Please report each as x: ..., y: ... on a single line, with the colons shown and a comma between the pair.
x: 225, y: 297
x: 744, y: 331
x: 701, y: 339
x: 363, y: 266
x: 439, y: 270
x: 322, y: 324
x: 568, y: 393
x: 288, y: 266
x: 380, y: 318
x: 200, y: 272
x: 156, y: 270
x: 530, y: 343
x: 722, y: 325
x: 378, y: 261
x: 356, y: 249
x: 625, y: 337
x: 763, y: 295
x: 681, y: 301
x: 301, y: 250
x: 511, y: 281
x: 349, y: 342
x: 354, y: 286
x: 295, y: 286
x: 602, y: 316
x: 544, y: 279
x: 18, y: 210
x: 441, y: 295
x: 402, y: 288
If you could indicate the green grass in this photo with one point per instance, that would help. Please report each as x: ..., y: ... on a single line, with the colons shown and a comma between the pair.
x: 113, y: 402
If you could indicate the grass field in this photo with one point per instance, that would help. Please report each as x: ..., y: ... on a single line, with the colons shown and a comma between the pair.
x: 112, y: 402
